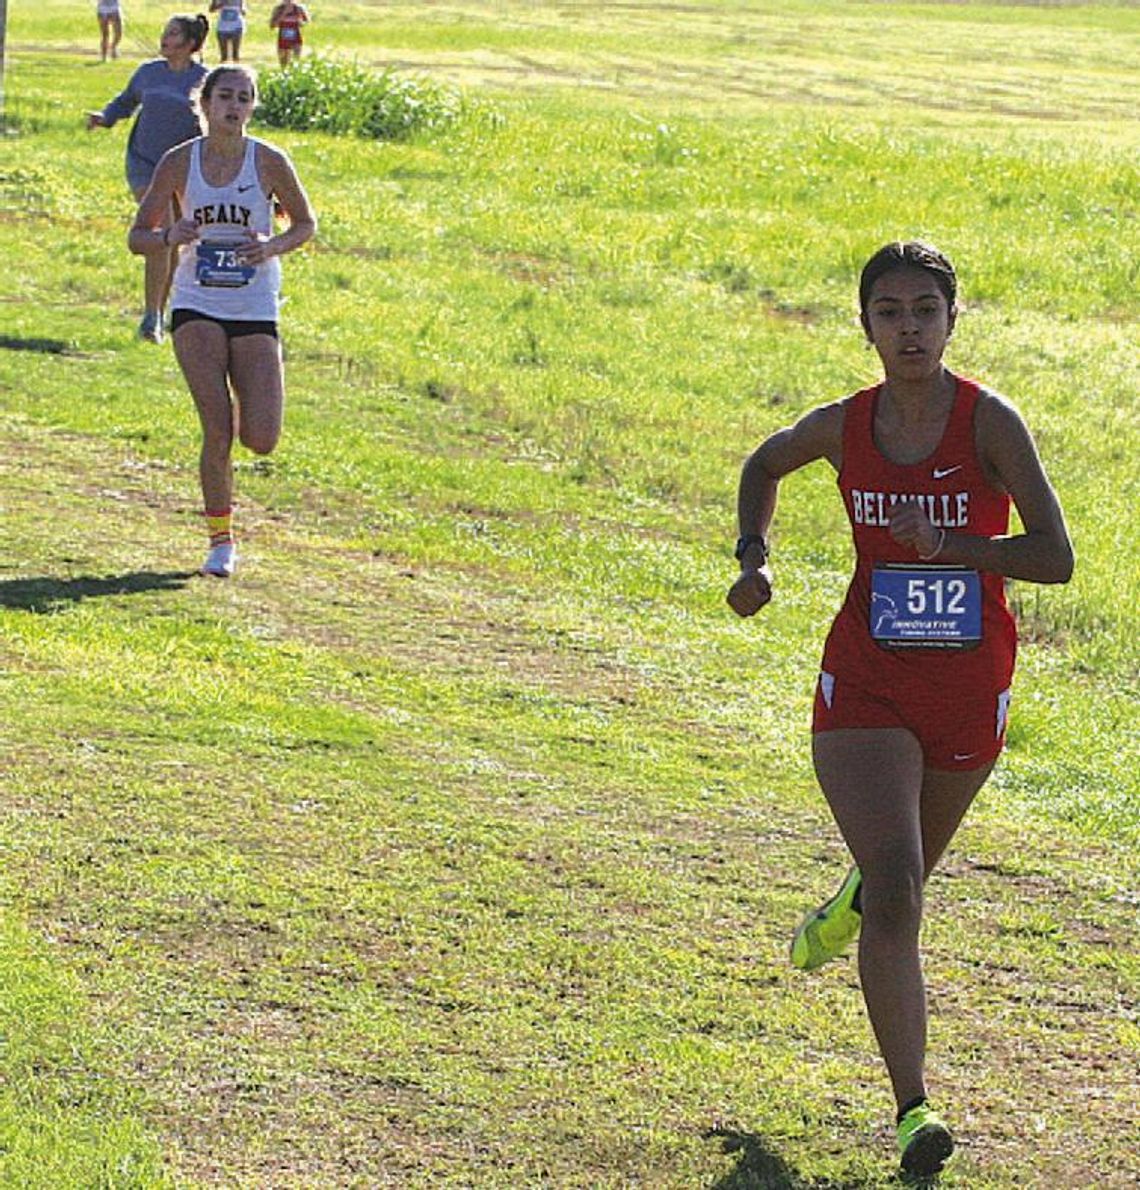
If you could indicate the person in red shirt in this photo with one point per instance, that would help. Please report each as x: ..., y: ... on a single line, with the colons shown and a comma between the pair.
x: 914, y: 690
x: 288, y: 18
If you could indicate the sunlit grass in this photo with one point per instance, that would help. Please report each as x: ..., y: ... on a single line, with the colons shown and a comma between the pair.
x: 468, y: 824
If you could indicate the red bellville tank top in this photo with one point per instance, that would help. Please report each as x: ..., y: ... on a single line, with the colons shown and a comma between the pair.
x: 955, y: 494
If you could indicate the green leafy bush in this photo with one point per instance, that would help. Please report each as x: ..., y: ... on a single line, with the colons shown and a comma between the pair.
x: 343, y: 97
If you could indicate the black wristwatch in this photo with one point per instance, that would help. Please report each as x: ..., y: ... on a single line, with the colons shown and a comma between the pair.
x: 745, y: 543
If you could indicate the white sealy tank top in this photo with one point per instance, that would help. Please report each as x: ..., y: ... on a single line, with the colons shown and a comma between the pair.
x: 230, y: 20
x: 209, y: 279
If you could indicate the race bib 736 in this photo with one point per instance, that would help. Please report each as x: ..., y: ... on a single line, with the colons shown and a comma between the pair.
x: 218, y: 265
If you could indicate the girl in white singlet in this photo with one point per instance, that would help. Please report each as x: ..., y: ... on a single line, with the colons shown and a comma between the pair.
x: 227, y: 284
x: 110, y: 16
x: 230, y: 27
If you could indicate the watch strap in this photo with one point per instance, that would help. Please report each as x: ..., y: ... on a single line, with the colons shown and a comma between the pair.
x: 747, y: 541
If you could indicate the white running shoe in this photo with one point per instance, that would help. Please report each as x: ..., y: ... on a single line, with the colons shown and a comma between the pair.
x: 221, y: 560
x: 151, y: 327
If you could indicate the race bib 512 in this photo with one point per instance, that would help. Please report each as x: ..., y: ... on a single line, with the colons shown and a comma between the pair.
x: 926, y: 606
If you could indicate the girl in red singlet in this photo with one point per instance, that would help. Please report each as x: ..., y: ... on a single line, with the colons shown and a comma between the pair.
x: 914, y: 689
x: 288, y: 18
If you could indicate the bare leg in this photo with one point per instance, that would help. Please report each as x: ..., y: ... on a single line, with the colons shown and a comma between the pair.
x: 897, y: 818
x: 117, y: 30
x: 946, y: 796
x: 156, y: 281
x: 203, y: 354
x: 258, y: 382
x: 104, y: 36
x: 159, y: 271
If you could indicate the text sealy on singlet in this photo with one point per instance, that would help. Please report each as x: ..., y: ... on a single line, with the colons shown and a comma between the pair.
x: 904, y: 620
x: 210, y: 278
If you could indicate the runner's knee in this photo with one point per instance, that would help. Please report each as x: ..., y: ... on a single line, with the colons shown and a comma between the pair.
x: 261, y: 440
x: 892, y: 895
x: 217, y: 440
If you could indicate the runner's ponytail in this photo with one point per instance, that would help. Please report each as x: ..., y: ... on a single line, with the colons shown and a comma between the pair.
x: 194, y: 29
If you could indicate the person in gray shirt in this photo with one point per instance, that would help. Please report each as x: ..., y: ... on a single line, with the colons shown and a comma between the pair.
x: 162, y: 91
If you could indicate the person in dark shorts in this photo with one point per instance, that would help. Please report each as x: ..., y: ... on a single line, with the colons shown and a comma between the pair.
x: 161, y: 90
x: 227, y: 284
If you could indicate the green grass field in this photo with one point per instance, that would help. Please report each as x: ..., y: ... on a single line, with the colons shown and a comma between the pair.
x: 459, y: 839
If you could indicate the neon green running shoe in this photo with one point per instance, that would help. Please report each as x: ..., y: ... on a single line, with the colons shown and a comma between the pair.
x: 924, y: 1142
x: 826, y: 931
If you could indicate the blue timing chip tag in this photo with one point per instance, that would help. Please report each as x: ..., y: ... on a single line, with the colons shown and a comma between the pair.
x: 926, y: 606
x: 218, y: 265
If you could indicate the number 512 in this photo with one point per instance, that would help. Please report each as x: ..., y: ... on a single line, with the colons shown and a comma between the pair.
x: 940, y: 597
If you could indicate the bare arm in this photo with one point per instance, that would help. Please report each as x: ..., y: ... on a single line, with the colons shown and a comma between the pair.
x: 279, y: 179
x: 286, y: 187
x: 149, y: 232
x: 1042, y: 553
x: 817, y: 435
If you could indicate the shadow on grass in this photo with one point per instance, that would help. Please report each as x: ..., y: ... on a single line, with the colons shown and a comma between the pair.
x: 46, y: 595
x: 759, y: 1168
x: 40, y: 346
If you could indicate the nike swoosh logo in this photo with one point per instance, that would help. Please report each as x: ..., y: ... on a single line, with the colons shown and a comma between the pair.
x: 243, y: 189
x: 942, y: 472
x: 964, y: 755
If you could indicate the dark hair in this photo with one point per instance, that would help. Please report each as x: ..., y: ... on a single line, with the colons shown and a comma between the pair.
x: 194, y: 29
x: 911, y: 254
x: 211, y: 80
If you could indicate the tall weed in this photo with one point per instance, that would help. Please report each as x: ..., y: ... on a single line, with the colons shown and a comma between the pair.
x: 345, y: 98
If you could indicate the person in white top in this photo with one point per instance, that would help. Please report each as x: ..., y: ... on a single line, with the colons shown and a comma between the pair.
x: 226, y: 286
x: 230, y: 27
x: 109, y: 13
